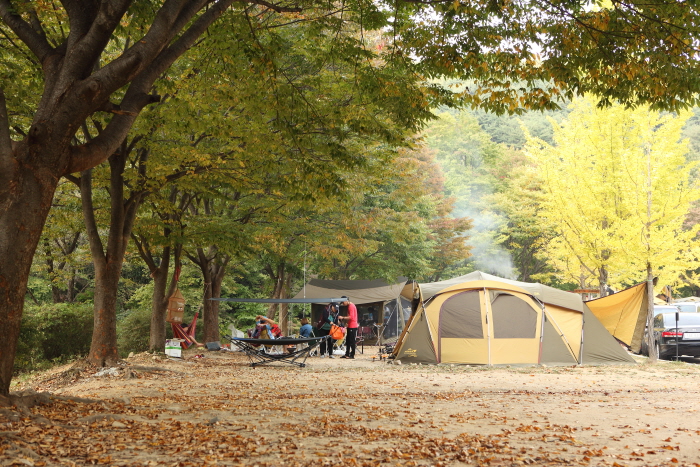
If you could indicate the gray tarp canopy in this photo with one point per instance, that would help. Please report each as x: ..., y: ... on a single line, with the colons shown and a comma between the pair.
x: 542, y: 292
x: 280, y: 300
x: 358, y: 291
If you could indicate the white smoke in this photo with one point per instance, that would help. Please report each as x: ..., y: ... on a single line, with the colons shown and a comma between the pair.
x: 488, y: 255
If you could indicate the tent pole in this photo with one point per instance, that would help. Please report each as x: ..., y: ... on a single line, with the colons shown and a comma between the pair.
x: 583, y: 327
x: 487, y: 309
x: 539, y: 357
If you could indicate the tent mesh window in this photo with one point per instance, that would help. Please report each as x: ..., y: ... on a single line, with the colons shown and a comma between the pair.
x: 513, y: 318
x: 460, y: 316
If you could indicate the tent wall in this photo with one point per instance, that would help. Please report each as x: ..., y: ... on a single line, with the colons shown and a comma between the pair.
x: 417, y: 344
x: 624, y: 314
x: 555, y: 351
x: 569, y: 324
x: 599, y: 347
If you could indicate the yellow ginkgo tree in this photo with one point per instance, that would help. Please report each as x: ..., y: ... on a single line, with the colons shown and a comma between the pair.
x: 618, y: 188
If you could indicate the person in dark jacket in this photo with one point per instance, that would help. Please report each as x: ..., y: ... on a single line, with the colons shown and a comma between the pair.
x: 329, y: 316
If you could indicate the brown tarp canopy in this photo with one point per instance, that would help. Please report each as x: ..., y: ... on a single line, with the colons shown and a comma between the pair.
x: 624, y: 314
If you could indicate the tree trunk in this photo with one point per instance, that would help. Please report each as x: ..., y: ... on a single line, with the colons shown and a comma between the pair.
x: 651, y: 341
x: 103, y: 349
x: 285, y: 317
x: 161, y: 290
x: 211, y: 325
x: 159, y: 302
x: 276, y: 275
x: 213, y: 271
x: 603, y: 281
x: 25, y: 200
x: 108, y: 261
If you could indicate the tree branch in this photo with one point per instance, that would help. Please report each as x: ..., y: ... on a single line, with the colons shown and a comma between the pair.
x: 145, y: 79
x: 5, y: 140
x: 277, y: 8
x: 137, y: 97
x: 36, y: 43
x: 91, y: 230
x: 100, y: 148
x: 92, y: 25
x: 144, y: 251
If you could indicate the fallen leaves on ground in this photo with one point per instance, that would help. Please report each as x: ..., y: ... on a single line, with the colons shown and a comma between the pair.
x: 218, y: 411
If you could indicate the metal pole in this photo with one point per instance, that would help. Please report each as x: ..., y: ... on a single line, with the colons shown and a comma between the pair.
x: 676, y: 336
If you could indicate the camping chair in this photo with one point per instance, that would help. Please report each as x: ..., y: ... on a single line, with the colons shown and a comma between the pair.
x: 339, y: 345
x: 312, y: 352
x: 363, y: 333
x: 186, y: 336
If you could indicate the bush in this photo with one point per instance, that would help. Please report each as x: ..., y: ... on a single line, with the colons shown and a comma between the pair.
x: 53, y: 333
x: 133, y: 331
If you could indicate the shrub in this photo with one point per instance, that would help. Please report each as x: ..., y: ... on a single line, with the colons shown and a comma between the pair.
x: 133, y: 331
x: 53, y: 333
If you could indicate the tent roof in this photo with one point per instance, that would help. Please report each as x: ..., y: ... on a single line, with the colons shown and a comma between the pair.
x: 358, y: 291
x: 542, y: 292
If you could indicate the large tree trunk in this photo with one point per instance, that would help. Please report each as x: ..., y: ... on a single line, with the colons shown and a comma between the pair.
x: 26, y: 193
x: 108, y: 261
x: 650, y: 339
x: 213, y: 271
x: 159, y: 303
x: 103, y: 349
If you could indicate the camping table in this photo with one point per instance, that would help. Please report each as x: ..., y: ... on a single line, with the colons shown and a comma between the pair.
x: 256, y: 352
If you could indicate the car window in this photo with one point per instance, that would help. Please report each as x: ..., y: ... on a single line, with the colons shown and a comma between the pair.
x: 689, y: 307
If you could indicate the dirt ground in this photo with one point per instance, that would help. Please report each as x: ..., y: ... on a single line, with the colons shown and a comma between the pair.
x: 217, y: 410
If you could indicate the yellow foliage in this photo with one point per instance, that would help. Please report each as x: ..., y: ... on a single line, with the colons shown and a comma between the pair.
x: 619, y: 188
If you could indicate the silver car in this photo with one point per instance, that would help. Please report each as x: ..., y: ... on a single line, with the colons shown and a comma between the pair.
x: 688, y: 307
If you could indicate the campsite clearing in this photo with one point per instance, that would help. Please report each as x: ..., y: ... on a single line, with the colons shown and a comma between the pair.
x: 216, y: 410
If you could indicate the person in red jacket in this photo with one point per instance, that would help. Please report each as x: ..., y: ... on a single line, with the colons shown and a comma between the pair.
x: 352, y: 323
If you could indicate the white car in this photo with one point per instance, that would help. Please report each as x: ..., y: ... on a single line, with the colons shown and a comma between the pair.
x: 688, y: 307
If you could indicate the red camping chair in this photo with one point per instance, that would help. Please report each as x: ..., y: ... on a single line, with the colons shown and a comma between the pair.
x: 186, y: 336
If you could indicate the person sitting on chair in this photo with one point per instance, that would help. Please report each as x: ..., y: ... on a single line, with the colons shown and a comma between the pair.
x: 306, y: 329
x: 268, y: 329
x: 186, y: 327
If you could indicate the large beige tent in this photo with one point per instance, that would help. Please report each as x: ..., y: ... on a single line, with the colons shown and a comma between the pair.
x: 486, y: 320
x: 624, y: 314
